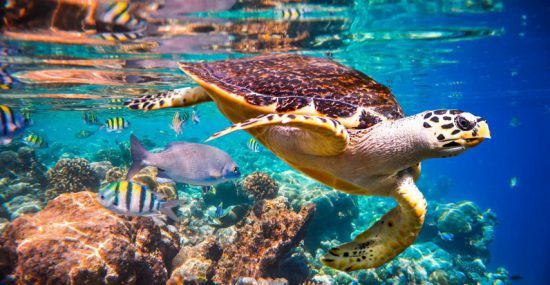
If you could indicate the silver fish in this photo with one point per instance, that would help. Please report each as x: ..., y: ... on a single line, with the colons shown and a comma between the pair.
x: 177, y: 124
x: 195, y: 117
x: 191, y: 163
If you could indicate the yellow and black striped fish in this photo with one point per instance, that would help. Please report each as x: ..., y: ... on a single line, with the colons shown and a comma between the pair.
x: 116, y: 124
x: 119, y: 13
x: 34, y: 140
x: 133, y: 199
x: 121, y: 37
x: 11, y: 124
x: 90, y: 118
x: 116, y: 100
x: 253, y: 145
x: 292, y: 13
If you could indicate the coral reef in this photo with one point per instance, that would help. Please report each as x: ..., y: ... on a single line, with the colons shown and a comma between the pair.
x: 21, y: 183
x: 258, y: 249
x: 260, y: 186
x: 21, y: 166
x: 87, y: 244
x: 101, y: 169
x: 147, y: 176
x: 114, y: 174
x: 335, y: 210
x: 471, y: 229
x: 71, y: 175
x: 451, y: 249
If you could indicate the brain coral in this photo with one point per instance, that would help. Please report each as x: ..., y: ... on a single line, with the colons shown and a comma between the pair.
x: 261, y: 186
x: 71, y: 175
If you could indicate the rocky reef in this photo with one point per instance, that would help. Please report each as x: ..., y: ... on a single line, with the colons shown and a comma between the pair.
x: 452, y: 249
x: 257, y: 250
x: 71, y: 175
x: 73, y: 240
x: 260, y: 186
x: 21, y: 182
x: 264, y: 242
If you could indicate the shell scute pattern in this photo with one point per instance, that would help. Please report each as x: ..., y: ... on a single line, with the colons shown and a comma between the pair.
x: 294, y: 82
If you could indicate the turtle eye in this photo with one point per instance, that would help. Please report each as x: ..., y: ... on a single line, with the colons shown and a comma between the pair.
x: 464, y: 124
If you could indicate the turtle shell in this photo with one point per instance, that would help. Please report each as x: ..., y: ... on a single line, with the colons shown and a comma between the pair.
x: 298, y: 84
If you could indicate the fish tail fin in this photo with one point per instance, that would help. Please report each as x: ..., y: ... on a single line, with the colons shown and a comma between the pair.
x: 167, y: 206
x: 139, y: 153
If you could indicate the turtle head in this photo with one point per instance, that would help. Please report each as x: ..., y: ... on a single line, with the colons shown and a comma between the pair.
x: 451, y: 132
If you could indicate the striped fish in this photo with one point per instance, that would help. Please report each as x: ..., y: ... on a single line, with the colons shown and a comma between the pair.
x: 292, y: 13
x: 253, y: 145
x: 119, y: 13
x: 34, y: 140
x: 116, y: 124
x: 121, y: 37
x: 28, y: 117
x: 11, y: 124
x: 133, y: 199
x: 184, y: 117
x: 90, y: 118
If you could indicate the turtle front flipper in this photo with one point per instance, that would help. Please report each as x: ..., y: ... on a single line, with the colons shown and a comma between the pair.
x: 181, y: 97
x: 386, y: 238
x: 320, y: 136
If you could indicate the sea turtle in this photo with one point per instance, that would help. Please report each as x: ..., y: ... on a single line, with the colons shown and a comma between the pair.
x: 338, y: 126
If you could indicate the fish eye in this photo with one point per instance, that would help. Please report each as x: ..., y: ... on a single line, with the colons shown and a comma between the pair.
x: 102, y: 197
x: 235, y: 169
x: 464, y: 124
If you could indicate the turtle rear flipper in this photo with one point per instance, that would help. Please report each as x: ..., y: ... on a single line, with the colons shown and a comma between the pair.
x: 320, y: 136
x: 388, y: 237
x: 181, y: 97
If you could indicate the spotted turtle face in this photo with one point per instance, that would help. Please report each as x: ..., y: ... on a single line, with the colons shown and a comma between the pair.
x: 454, y: 131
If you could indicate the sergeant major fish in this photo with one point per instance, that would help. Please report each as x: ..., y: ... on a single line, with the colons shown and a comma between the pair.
x: 90, y: 118
x: 133, y: 199
x: 34, y: 140
x: 11, y: 124
x: 191, y: 163
x: 253, y: 145
x: 116, y: 124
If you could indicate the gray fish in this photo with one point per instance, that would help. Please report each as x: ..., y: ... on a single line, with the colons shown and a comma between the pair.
x: 191, y: 163
x: 233, y: 215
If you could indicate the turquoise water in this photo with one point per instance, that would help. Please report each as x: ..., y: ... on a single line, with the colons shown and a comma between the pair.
x: 485, y: 57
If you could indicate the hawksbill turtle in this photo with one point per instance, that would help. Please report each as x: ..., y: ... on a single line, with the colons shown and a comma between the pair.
x: 338, y: 126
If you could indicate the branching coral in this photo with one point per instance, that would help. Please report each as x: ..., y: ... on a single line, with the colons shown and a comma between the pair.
x: 71, y: 175
x: 261, y: 186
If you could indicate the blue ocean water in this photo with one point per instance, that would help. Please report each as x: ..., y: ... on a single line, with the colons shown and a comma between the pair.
x: 490, y: 58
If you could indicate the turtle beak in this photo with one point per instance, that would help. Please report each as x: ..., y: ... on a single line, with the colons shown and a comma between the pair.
x: 477, y: 135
